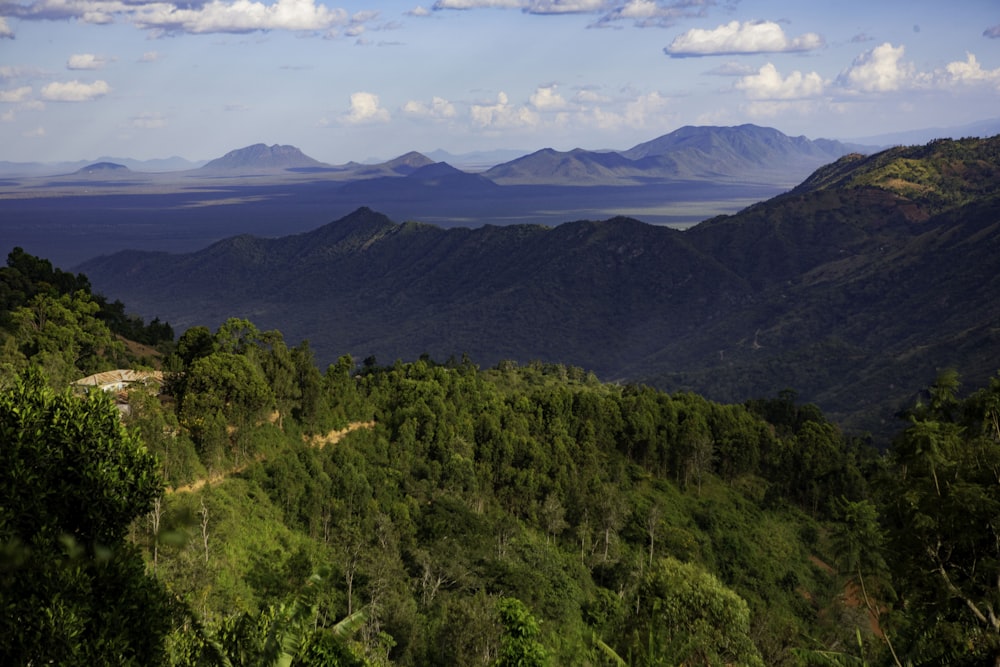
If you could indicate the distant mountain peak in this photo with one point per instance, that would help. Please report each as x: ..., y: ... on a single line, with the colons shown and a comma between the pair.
x: 262, y: 156
x: 408, y: 163
x: 104, y: 168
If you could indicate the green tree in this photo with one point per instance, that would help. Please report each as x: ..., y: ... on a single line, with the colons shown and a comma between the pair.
x: 62, y: 336
x: 687, y: 616
x: 519, y: 646
x: 72, y: 479
x: 942, y: 512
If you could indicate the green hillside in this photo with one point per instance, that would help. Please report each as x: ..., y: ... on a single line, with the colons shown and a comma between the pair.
x: 260, y: 510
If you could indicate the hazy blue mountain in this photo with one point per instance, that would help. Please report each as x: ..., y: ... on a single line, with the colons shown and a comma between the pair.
x: 103, y: 169
x: 262, y: 157
x: 746, y: 153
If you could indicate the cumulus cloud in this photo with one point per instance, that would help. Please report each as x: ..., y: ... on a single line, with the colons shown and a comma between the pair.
x: 438, y: 108
x: 5, y: 31
x: 87, y: 11
x: 768, y: 84
x: 650, y: 110
x: 86, y: 61
x: 589, y: 96
x: 878, y: 70
x: 545, y: 98
x: 74, y: 91
x: 740, y: 38
x: 149, y: 57
x: 418, y: 12
x: 365, y: 109
x: 502, y: 114
x: 240, y: 16
x: 200, y: 16
x: 16, y: 95
x: 645, y: 108
x: 970, y: 71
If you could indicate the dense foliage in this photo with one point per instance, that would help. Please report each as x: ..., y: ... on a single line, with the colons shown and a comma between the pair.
x: 439, y: 513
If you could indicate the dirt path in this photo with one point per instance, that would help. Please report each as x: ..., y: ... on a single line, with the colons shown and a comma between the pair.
x: 320, y: 441
x: 333, y: 437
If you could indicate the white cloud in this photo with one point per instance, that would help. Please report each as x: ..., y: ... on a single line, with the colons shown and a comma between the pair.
x: 639, y: 112
x: 240, y: 16
x: 588, y: 96
x: 438, y: 108
x: 148, y: 120
x: 878, y: 70
x: 7, y: 116
x: 86, y: 61
x: 545, y: 98
x: 74, y: 91
x: 502, y: 114
x: 365, y: 109
x: 740, y: 38
x: 35, y: 133
x: 16, y: 95
x: 5, y: 31
x: 149, y: 57
x: 970, y: 71
x: 768, y: 84
x: 418, y: 12
x: 643, y: 112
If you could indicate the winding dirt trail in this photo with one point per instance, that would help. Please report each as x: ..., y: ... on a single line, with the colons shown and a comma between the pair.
x: 319, y: 441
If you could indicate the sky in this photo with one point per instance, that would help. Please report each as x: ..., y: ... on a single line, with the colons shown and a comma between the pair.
x: 346, y: 80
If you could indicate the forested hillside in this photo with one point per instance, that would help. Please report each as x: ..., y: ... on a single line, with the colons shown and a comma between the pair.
x: 258, y: 509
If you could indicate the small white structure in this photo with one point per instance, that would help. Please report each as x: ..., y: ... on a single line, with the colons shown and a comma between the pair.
x: 121, y: 380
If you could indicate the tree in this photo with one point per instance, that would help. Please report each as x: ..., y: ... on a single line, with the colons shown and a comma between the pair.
x: 222, y: 388
x: 944, y: 535
x: 858, y: 543
x: 518, y: 644
x: 687, y: 616
x: 72, y: 479
x: 62, y: 336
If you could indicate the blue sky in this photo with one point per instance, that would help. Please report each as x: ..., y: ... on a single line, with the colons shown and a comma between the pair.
x: 357, y: 80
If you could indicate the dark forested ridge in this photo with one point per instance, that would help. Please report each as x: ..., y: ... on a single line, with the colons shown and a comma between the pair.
x: 851, y: 289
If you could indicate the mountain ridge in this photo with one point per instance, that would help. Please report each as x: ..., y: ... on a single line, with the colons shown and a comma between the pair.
x: 738, y: 306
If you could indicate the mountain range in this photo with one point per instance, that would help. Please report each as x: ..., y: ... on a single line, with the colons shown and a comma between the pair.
x: 745, y: 154
x: 851, y: 289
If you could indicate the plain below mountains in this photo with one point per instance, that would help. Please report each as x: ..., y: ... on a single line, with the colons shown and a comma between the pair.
x: 853, y: 289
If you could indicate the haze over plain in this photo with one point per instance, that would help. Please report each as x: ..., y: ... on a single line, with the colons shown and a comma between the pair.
x: 360, y: 80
